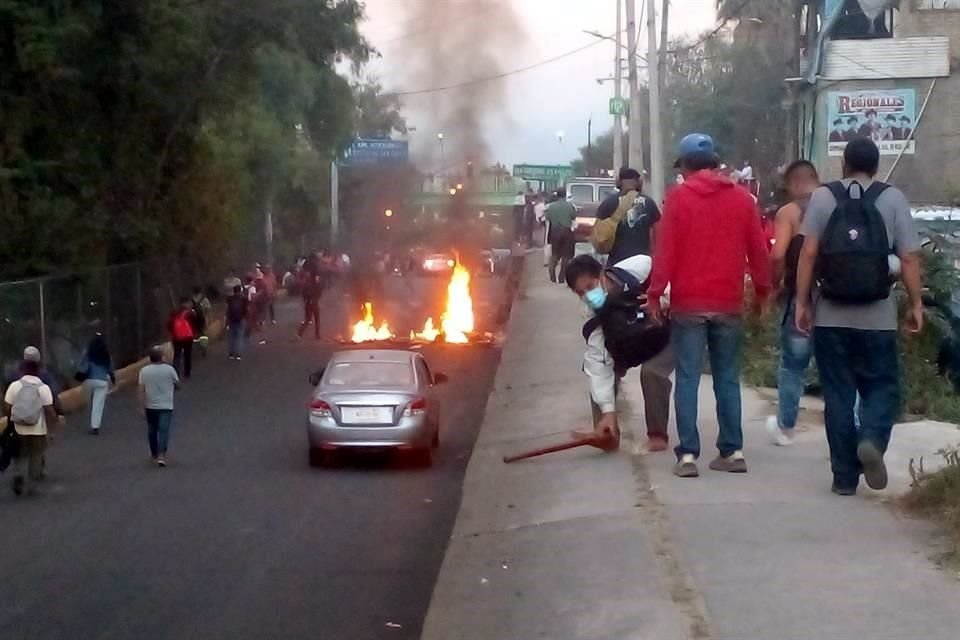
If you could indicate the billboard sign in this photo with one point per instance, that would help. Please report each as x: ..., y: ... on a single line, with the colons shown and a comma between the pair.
x: 886, y: 116
x: 367, y: 151
x: 542, y: 171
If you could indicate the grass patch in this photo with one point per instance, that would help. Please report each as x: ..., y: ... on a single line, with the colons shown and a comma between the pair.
x: 937, y: 496
x: 925, y: 392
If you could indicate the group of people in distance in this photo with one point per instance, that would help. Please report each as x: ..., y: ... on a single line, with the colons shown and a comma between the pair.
x: 674, y: 289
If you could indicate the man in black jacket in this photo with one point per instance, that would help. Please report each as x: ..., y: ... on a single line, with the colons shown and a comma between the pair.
x: 636, y: 233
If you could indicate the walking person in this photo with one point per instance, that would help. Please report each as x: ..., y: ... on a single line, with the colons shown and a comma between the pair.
x: 855, y: 232
x: 235, y: 321
x: 96, y: 373
x: 801, y: 181
x: 201, y: 312
x: 270, y: 287
x: 156, y: 386
x: 32, y: 354
x: 315, y: 274
x: 28, y: 407
x: 518, y: 212
x: 180, y: 327
x: 540, y: 214
x: 709, y: 235
x: 626, y: 220
x: 561, y: 215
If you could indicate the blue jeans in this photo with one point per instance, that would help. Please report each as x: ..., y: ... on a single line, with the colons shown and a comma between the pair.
x: 852, y: 361
x: 721, y: 335
x: 795, y: 350
x: 235, y: 338
x: 158, y: 430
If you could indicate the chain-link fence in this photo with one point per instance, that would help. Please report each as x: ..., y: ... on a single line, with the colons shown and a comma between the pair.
x: 128, y: 303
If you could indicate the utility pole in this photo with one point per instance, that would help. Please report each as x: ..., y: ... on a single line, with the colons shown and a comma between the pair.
x: 635, y: 153
x: 589, y: 161
x: 334, y: 203
x: 656, y: 133
x: 618, y: 92
x: 664, y: 41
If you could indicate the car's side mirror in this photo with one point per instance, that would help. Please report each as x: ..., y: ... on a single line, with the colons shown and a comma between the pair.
x: 440, y: 378
x: 315, y: 377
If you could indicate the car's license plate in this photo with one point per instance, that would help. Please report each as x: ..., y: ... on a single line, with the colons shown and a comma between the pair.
x: 366, y: 415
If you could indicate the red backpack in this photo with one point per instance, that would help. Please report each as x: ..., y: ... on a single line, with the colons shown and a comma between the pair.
x: 182, y: 330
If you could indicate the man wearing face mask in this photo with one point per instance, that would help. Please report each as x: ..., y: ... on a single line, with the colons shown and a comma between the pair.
x: 619, y: 337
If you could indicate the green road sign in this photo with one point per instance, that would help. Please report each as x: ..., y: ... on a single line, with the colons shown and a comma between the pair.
x: 618, y: 107
x: 542, y: 171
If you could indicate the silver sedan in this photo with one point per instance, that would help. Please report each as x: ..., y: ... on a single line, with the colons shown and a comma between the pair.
x: 374, y: 399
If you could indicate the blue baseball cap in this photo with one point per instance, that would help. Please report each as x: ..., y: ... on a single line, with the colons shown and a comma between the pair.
x: 694, y: 144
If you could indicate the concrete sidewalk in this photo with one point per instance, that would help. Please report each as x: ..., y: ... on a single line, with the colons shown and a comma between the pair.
x: 583, y: 545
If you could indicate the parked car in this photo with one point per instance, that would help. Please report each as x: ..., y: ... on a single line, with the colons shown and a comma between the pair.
x: 374, y: 399
x: 587, y: 194
x: 438, y: 264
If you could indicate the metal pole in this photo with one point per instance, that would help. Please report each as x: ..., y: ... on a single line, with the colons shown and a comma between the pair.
x: 43, y: 321
x: 140, y: 302
x: 635, y: 152
x: 589, y: 145
x: 334, y: 203
x: 268, y: 228
x: 656, y: 135
x: 618, y: 92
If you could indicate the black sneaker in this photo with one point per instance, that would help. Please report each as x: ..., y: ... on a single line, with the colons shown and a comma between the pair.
x: 874, y: 469
x: 18, y: 485
x: 843, y: 491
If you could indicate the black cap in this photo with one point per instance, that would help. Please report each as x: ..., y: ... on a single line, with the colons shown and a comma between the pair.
x: 627, y: 173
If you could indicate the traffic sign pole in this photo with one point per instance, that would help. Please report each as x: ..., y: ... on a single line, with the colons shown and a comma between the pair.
x: 334, y: 203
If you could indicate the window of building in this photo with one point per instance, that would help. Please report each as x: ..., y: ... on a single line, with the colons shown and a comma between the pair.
x: 854, y: 24
x: 938, y: 4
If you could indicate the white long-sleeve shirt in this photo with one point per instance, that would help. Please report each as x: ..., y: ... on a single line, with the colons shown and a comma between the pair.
x: 597, y: 361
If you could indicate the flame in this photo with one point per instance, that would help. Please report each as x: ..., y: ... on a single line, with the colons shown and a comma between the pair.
x: 429, y: 333
x: 457, y: 320
x: 365, y: 330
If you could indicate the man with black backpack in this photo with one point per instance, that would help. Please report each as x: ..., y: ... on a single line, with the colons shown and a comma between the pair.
x: 854, y: 232
x: 28, y: 406
x: 619, y: 337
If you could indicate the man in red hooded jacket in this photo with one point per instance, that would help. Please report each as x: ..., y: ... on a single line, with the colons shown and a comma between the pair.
x: 710, y: 234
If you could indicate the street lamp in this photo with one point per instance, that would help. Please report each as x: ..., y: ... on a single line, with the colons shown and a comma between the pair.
x: 442, y: 161
x: 388, y: 213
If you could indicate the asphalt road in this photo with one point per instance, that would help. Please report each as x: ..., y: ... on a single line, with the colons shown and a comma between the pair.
x: 239, y: 538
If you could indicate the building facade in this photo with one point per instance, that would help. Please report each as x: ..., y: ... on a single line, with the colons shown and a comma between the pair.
x: 887, y: 70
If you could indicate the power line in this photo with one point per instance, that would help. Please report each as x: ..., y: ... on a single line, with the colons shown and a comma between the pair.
x: 494, y: 77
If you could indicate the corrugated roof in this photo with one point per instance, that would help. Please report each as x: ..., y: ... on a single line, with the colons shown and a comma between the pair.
x: 886, y: 58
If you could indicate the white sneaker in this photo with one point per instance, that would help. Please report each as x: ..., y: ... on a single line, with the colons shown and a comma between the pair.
x: 777, y: 435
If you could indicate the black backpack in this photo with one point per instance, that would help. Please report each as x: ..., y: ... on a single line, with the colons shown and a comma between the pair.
x: 630, y: 337
x: 853, y: 262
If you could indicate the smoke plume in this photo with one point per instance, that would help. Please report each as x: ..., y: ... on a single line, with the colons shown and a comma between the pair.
x: 459, y: 43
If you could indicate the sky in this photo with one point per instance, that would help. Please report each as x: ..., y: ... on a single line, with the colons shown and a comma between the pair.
x: 557, y: 97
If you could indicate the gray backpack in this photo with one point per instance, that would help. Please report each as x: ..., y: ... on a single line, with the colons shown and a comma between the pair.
x: 27, y: 409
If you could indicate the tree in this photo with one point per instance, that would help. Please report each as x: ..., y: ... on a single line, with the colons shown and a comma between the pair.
x: 183, y: 117
x: 730, y: 92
